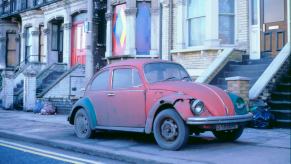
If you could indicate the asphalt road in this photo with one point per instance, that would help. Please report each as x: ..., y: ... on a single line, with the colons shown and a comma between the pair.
x: 15, y: 152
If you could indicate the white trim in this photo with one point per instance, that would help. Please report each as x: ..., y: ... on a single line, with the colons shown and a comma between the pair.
x: 289, y: 20
x: 201, y: 48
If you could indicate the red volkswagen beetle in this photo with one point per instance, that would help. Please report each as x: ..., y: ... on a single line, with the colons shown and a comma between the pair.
x: 159, y: 97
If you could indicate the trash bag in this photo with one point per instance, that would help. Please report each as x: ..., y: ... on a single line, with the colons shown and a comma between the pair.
x: 48, y: 109
x: 38, y: 106
x: 262, y: 118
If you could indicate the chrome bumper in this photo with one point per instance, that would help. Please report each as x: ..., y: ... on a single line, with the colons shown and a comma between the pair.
x: 219, y: 119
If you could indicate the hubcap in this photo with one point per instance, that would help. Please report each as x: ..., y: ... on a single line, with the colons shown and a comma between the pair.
x: 169, y: 130
x: 82, y: 124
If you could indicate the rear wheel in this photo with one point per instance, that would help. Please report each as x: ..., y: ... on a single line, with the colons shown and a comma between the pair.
x: 81, y: 123
x: 170, y: 131
x: 228, y: 135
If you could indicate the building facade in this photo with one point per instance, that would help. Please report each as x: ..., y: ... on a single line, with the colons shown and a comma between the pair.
x: 50, y: 38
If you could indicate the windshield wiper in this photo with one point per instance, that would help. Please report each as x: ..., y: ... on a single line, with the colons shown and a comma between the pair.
x: 186, y: 77
x: 169, y: 78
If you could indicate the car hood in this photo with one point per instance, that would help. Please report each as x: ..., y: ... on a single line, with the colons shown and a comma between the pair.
x: 217, y: 101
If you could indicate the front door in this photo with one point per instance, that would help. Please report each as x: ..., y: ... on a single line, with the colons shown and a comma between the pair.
x: 78, y: 44
x: 273, y: 25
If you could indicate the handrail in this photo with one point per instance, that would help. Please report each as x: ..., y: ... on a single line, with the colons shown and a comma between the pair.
x: 215, y: 66
x: 59, y: 79
x: 270, y: 72
x: 54, y: 67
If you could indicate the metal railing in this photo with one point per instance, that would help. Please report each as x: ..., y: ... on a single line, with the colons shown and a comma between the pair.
x: 47, y: 71
x: 8, y: 8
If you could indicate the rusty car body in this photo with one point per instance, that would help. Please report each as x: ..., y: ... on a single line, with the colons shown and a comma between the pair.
x: 159, y: 97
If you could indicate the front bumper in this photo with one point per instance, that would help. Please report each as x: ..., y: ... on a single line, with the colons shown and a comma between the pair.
x: 219, y: 119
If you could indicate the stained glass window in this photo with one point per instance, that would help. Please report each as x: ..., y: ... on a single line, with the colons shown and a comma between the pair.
x: 119, y: 30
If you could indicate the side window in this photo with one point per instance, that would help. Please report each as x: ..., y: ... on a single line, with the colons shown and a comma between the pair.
x: 101, y: 82
x: 125, y: 78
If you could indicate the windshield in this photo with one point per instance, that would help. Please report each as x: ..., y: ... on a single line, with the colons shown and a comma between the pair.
x: 157, y: 72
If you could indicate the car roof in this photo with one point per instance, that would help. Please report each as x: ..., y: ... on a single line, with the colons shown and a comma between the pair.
x: 135, y: 62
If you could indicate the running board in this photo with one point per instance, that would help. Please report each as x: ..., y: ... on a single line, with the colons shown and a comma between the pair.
x: 117, y: 128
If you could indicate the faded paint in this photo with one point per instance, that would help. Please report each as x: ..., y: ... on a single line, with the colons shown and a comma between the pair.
x: 122, y: 108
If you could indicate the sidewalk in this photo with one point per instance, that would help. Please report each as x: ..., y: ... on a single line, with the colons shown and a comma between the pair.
x: 260, y: 146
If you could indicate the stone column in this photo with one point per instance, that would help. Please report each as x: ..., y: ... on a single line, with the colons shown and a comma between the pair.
x: 165, y: 30
x: 7, y: 89
x: 130, y: 13
x: 108, y: 52
x: 22, y: 51
x: 67, y: 42
x: 180, y: 23
x: 155, y: 28
x: 239, y: 85
x: 29, y: 89
x: 35, y: 46
x: 45, y: 42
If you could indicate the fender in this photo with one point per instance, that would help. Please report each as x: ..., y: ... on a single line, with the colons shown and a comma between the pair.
x: 178, y: 100
x: 86, y: 104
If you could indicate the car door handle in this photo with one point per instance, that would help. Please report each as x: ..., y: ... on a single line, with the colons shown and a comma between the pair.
x: 110, y: 94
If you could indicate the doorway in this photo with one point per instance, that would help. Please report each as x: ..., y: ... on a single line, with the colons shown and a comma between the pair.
x: 57, y: 39
x: 273, y: 26
x: 78, y: 43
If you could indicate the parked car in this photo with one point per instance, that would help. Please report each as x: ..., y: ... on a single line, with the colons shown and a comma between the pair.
x: 159, y: 97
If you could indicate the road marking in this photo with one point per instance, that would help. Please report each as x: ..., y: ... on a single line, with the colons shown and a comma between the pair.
x: 45, y: 153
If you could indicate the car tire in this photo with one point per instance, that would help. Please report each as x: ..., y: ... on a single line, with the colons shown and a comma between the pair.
x: 228, y: 135
x: 82, y: 125
x: 170, y: 131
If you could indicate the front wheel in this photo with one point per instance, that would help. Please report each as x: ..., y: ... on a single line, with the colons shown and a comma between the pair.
x: 81, y: 123
x: 170, y: 131
x: 228, y: 135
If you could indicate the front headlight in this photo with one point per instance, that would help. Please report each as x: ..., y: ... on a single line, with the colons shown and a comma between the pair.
x: 197, y: 107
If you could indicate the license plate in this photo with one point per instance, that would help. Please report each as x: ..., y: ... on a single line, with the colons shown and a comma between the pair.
x: 226, y: 127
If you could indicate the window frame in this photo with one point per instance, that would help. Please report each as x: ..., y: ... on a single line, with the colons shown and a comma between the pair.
x: 187, y: 21
x: 234, y: 24
x: 17, y: 55
x: 59, y: 35
x: 27, y: 33
x: 89, y: 87
x: 131, y: 87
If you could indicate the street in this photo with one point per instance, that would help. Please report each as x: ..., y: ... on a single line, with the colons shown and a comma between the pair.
x: 14, y: 152
x: 54, y: 134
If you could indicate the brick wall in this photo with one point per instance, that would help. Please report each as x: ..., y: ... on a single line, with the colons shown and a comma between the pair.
x: 196, y: 62
x: 242, y: 24
x: 63, y: 89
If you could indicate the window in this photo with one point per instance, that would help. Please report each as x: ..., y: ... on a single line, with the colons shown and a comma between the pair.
x: 119, y: 30
x: 196, y: 22
x: 226, y: 21
x: 12, y: 58
x: 125, y: 78
x: 41, y: 44
x: 254, y: 12
x: 101, y: 82
x: 157, y: 72
x: 28, y: 42
x: 274, y: 10
x: 143, y: 28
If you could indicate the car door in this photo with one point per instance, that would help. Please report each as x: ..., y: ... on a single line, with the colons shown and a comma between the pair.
x: 128, y: 98
x: 97, y: 92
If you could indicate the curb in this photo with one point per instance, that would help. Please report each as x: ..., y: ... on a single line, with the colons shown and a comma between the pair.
x: 120, y: 155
